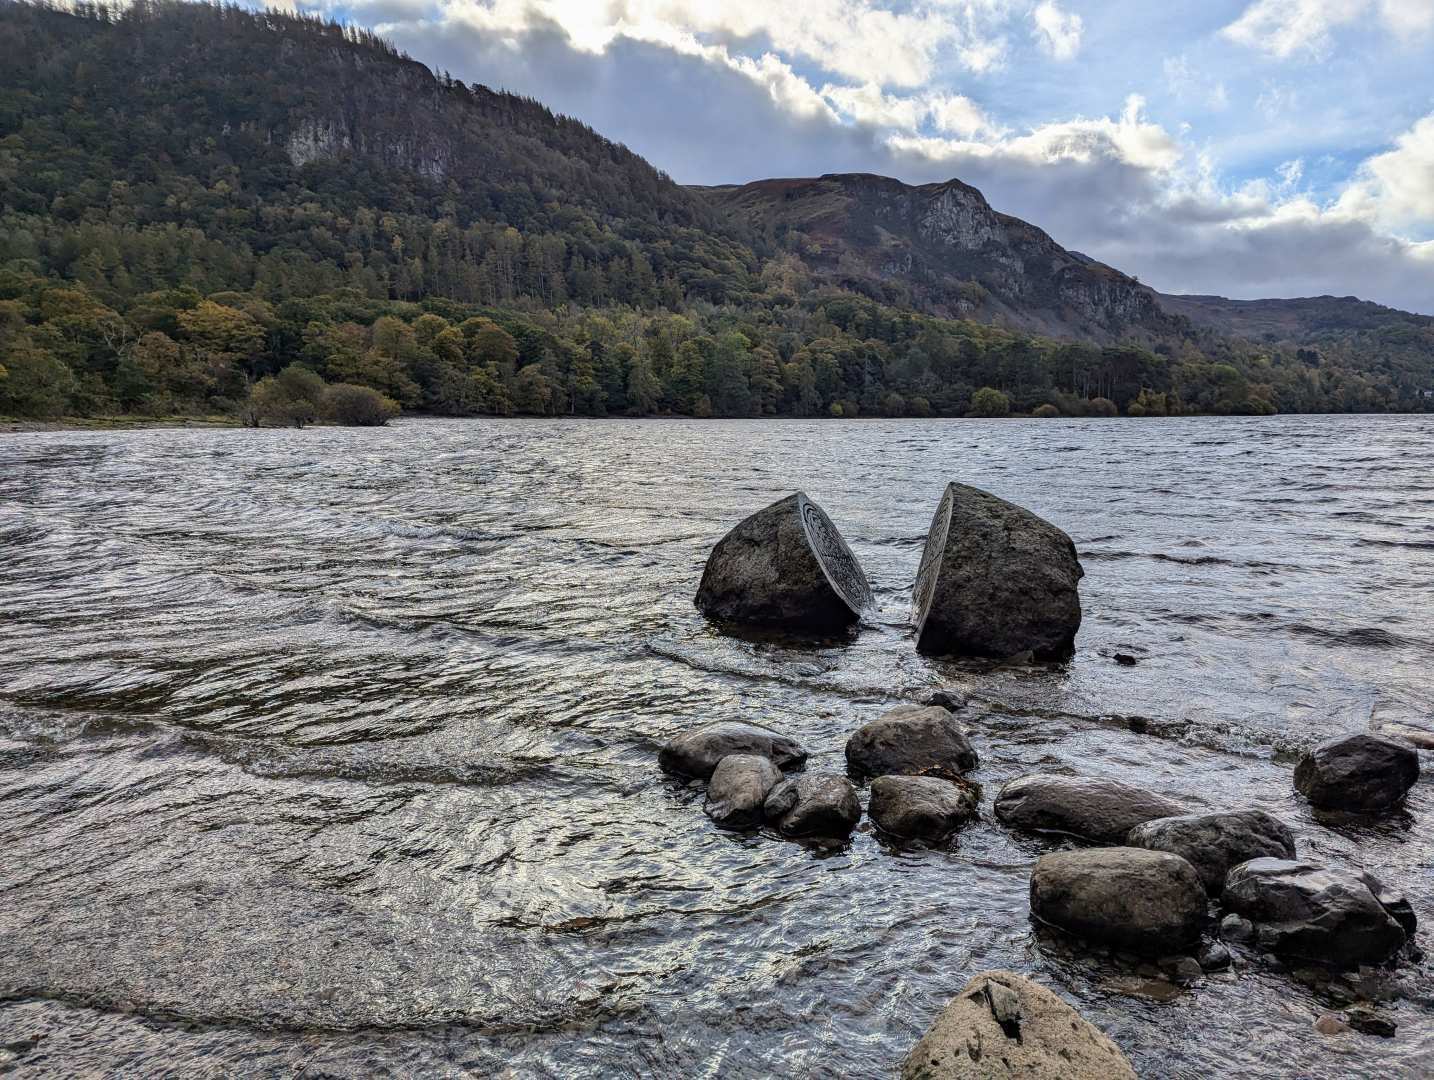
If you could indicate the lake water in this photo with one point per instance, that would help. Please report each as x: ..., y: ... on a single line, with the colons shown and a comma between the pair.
x: 335, y: 750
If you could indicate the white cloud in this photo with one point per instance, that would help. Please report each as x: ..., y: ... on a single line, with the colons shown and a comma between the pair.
x: 1187, y: 85
x: 1395, y: 189
x: 1056, y: 31
x: 1283, y: 28
x: 950, y: 114
x: 858, y: 39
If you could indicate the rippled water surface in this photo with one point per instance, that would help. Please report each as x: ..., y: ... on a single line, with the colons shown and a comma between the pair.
x: 334, y: 750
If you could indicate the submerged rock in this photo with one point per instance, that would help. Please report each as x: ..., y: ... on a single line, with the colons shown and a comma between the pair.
x: 1101, y: 811
x: 911, y: 740
x: 995, y: 580
x: 1212, y: 843
x: 1304, y: 910
x: 697, y: 752
x: 921, y: 807
x: 814, y: 804
x: 785, y: 567
x: 1357, y: 772
x: 1145, y: 901
x: 740, y: 785
x: 1004, y: 1025
x: 1213, y: 957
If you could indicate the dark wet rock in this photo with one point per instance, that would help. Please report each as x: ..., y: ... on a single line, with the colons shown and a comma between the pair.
x: 1212, y: 843
x: 1125, y: 659
x: 946, y: 699
x: 1101, y: 811
x: 1182, y: 969
x: 785, y: 567
x: 995, y: 580
x: 814, y: 804
x: 1313, y: 912
x: 1002, y: 1025
x: 1149, y: 902
x: 1357, y: 772
x: 911, y: 740
x: 921, y: 807
x: 740, y: 785
x: 1399, y: 908
x: 1236, y: 928
x: 1213, y: 957
x: 1366, y: 1020
x: 697, y: 752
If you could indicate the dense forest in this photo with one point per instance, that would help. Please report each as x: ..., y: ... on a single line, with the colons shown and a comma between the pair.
x: 211, y: 210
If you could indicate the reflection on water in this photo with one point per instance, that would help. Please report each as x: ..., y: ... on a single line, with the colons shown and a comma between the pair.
x: 335, y: 750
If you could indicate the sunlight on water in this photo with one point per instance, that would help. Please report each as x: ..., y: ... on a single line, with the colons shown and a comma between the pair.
x: 335, y: 749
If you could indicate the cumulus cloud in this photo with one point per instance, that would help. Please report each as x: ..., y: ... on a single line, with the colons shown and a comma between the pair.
x: 1056, y: 31
x: 858, y: 39
x: 1395, y: 189
x: 950, y: 114
x: 1283, y: 28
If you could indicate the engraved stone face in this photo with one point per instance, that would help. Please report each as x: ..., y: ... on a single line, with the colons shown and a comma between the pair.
x: 785, y: 567
x: 930, y: 568
x: 837, y: 561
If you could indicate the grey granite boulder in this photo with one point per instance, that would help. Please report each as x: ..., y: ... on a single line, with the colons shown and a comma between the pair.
x: 1313, y: 912
x: 739, y: 786
x: 1357, y: 772
x: 921, y: 807
x: 995, y: 580
x: 911, y: 740
x: 1143, y: 901
x: 1212, y: 843
x: 814, y: 804
x: 1003, y: 1026
x: 697, y: 752
x: 1101, y: 811
x: 786, y: 567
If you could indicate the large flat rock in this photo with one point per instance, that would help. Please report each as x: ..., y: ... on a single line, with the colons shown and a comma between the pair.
x: 1101, y: 811
x: 1145, y: 901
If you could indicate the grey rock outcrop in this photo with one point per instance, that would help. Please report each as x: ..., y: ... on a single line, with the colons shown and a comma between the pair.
x: 739, y: 787
x: 787, y: 568
x: 1144, y: 901
x: 1357, y: 772
x: 1212, y: 843
x: 921, y: 807
x: 814, y: 804
x: 1314, y: 912
x: 995, y: 581
x: 1101, y: 811
x: 911, y: 740
x: 697, y: 752
x: 1002, y: 1026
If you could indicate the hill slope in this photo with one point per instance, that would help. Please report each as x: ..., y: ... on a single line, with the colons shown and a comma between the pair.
x: 942, y: 248
x: 194, y: 197
x: 291, y: 142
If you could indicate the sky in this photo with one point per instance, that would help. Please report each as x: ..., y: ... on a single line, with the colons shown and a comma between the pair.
x: 1247, y: 148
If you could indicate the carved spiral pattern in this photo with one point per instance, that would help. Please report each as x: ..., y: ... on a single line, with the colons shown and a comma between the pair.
x: 836, y: 558
x: 930, y: 568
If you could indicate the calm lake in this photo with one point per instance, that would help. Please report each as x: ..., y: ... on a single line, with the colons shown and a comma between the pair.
x: 335, y: 750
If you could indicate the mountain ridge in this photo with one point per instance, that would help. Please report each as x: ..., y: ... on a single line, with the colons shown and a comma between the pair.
x: 193, y: 197
x: 863, y: 230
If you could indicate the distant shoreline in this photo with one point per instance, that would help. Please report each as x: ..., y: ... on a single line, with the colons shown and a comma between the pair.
x: 14, y: 426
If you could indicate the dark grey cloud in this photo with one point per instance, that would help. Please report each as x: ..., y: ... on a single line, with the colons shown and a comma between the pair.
x: 703, y: 122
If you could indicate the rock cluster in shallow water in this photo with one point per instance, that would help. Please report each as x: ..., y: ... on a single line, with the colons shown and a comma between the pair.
x: 994, y: 580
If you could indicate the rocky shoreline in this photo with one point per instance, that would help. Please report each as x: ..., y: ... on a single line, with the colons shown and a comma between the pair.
x: 1176, y: 892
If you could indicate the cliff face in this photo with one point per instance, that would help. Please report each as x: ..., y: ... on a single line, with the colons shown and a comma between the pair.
x: 943, y: 248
